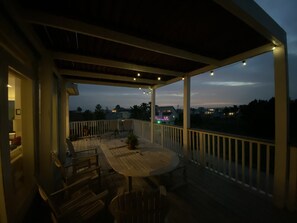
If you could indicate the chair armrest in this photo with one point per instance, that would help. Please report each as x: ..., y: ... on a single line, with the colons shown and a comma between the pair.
x: 78, y: 162
x: 79, y: 183
x: 87, y: 150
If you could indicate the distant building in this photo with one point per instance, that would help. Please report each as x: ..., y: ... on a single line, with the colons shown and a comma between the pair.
x: 119, y: 113
x: 166, y: 114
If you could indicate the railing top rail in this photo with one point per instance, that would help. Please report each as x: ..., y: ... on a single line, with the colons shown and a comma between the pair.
x: 233, y: 136
x: 170, y: 126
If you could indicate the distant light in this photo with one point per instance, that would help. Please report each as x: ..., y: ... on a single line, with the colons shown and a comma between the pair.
x: 159, y: 78
x: 243, y: 62
x: 134, y: 79
x: 273, y: 48
x: 139, y: 88
x: 183, y: 78
x: 138, y: 74
x: 159, y: 122
x: 211, y: 73
x: 9, y: 85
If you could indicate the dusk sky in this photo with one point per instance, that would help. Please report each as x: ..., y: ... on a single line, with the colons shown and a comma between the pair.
x: 231, y: 85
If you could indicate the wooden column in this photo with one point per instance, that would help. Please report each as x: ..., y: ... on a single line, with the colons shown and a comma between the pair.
x: 153, y: 105
x: 5, y: 179
x: 45, y: 133
x: 281, y: 125
x: 186, y: 109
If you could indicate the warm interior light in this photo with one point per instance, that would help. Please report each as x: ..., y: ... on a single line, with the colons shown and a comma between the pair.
x: 183, y: 78
x: 134, y: 79
x: 211, y: 73
x: 159, y: 78
x: 9, y: 85
x: 138, y: 74
x: 273, y: 48
x: 243, y: 62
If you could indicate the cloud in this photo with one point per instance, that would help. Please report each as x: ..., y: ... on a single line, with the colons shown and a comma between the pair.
x: 231, y: 83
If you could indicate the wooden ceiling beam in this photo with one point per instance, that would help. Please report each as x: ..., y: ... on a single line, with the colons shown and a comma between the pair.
x: 42, y: 18
x: 111, y: 77
x: 112, y: 63
x: 107, y: 83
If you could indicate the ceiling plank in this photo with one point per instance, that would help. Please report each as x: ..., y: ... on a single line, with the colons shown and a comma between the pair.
x: 69, y: 72
x: 112, y: 63
x: 36, y: 17
x: 99, y: 82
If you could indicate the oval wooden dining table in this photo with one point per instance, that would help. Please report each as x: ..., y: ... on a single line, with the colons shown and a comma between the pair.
x: 146, y: 160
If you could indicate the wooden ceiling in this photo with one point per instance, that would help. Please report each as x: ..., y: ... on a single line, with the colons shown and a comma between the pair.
x: 113, y: 41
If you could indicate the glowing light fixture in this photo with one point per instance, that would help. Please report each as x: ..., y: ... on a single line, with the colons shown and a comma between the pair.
x: 134, y: 79
x: 139, y: 88
x: 138, y: 74
x: 183, y: 78
x: 159, y: 78
x: 9, y: 85
x: 273, y: 48
x: 243, y: 62
x: 211, y: 73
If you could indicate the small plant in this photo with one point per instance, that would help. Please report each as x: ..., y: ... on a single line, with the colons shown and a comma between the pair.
x: 132, y: 141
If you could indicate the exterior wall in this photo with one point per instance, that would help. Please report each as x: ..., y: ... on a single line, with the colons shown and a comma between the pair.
x: 39, y: 110
x: 15, y: 201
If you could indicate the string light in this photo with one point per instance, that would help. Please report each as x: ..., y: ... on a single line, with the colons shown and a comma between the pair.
x: 146, y: 91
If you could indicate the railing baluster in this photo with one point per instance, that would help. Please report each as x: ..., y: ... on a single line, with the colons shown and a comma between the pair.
x: 267, y: 168
x: 224, y: 155
x: 230, y: 157
x: 251, y: 164
x: 258, y: 166
x: 213, y: 152
x: 242, y: 161
x: 236, y: 160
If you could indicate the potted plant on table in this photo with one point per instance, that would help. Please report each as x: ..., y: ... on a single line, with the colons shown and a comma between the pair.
x: 132, y: 141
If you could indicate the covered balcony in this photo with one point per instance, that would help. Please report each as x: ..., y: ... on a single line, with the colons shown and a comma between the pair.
x: 47, y: 47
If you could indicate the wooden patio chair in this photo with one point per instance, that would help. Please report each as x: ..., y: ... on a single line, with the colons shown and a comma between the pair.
x: 75, y: 171
x: 74, y: 203
x: 140, y: 206
x: 91, y: 153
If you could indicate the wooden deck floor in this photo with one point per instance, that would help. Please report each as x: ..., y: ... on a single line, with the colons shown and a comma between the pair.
x: 207, y: 197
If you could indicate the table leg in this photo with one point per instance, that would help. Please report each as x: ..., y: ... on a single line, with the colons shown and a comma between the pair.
x: 129, y: 184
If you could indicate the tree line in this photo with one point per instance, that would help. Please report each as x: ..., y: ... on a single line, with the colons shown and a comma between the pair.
x: 256, y: 119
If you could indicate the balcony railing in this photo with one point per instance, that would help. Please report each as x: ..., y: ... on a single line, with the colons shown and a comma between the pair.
x: 247, y: 161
